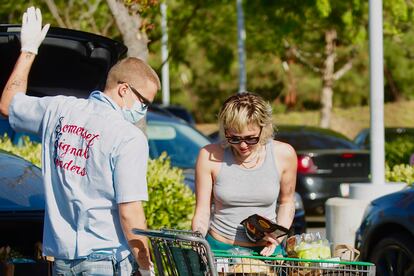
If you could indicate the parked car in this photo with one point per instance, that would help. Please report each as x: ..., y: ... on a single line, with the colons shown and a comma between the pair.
x: 21, y: 203
x: 326, y: 159
x: 181, y: 112
x: 177, y: 111
x: 386, y: 234
x: 362, y: 139
x: 178, y: 139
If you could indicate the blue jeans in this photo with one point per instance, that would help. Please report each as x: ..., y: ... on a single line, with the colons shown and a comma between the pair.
x: 95, y: 264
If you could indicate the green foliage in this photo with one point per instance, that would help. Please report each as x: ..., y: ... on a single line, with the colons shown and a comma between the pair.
x: 203, y: 55
x: 324, y: 7
x: 91, y: 16
x: 29, y: 150
x: 171, y: 203
x: 400, y: 173
x: 399, y: 151
x: 398, y: 57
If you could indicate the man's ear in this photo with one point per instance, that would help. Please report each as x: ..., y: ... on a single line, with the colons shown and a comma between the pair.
x: 122, y: 89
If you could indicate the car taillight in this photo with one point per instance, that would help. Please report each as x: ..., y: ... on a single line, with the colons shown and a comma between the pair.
x: 305, y: 164
x: 348, y: 155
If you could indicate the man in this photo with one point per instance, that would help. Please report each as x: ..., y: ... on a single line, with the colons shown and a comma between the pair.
x: 94, y: 162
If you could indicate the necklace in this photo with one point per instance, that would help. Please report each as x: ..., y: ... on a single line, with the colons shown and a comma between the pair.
x: 252, y: 159
x: 252, y: 166
x: 246, y: 164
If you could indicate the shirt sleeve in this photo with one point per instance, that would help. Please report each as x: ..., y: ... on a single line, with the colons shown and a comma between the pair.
x: 26, y: 113
x: 130, y: 170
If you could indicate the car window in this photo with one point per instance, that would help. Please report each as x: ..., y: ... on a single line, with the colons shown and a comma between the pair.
x: 181, y: 142
x: 308, y: 140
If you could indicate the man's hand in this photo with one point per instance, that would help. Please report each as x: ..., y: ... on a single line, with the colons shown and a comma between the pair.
x: 32, y: 33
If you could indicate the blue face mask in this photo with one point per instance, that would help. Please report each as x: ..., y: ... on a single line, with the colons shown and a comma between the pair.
x: 135, y: 113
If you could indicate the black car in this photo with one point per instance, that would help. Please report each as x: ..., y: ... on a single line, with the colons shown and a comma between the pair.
x: 362, y: 139
x: 386, y: 234
x: 326, y: 159
x: 21, y: 214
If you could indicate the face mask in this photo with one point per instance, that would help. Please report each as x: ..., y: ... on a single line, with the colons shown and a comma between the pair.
x: 135, y: 113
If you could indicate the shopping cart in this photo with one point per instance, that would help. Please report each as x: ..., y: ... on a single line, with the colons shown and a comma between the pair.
x: 185, y: 253
x: 179, y: 252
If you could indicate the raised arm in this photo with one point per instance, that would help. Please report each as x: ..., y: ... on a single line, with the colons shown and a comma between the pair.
x: 204, y: 186
x: 31, y: 37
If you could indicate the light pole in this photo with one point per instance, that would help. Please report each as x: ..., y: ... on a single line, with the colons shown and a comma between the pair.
x: 241, y: 37
x: 165, y: 72
x: 376, y: 92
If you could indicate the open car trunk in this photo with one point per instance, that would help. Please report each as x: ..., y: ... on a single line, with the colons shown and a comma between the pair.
x: 69, y: 62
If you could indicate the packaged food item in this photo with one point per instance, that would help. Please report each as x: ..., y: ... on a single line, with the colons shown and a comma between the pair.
x: 241, y: 264
x: 308, y: 246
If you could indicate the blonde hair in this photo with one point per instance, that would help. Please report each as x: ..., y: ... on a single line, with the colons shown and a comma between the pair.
x: 241, y: 110
x: 133, y: 71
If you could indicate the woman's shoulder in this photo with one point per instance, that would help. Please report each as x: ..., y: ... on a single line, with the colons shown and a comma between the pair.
x: 213, y: 152
x: 214, y: 147
x: 283, y: 149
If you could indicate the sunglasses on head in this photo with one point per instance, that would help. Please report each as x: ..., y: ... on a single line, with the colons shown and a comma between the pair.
x: 250, y: 140
x: 145, y: 102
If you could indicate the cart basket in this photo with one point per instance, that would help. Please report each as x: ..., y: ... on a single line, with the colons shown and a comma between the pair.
x: 182, y: 253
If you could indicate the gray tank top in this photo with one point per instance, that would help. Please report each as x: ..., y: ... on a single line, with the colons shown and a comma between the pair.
x: 239, y: 193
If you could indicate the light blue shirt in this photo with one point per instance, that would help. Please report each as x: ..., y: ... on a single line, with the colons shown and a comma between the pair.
x: 92, y: 159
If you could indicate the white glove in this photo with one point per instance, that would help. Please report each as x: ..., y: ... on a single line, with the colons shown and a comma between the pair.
x: 32, y: 34
x: 150, y: 272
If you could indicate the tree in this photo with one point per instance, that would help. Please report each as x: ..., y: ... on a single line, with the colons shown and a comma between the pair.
x: 324, y: 35
x: 310, y: 33
x: 111, y: 18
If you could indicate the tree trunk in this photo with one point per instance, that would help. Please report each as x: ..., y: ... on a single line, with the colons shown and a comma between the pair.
x: 395, y: 92
x: 328, y: 78
x: 129, y: 24
x: 291, y: 95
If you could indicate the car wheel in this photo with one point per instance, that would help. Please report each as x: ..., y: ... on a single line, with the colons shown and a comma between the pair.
x: 394, y: 255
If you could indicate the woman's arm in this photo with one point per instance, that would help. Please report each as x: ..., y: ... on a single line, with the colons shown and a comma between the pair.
x: 286, y: 202
x: 287, y: 159
x: 204, y: 186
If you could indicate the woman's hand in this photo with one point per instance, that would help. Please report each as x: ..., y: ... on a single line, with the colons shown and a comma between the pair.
x: 271, y: 244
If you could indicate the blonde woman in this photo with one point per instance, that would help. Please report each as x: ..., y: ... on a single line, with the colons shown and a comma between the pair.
x: 247, y: 173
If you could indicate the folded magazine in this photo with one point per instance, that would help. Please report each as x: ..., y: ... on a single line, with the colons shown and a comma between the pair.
x: 256, y: 226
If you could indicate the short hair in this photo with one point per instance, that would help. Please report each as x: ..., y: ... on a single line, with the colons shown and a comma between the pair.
x: 132, y: 70
x: 244, y: 109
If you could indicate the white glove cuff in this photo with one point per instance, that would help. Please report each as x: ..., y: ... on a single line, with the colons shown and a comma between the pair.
x: 29, y: 50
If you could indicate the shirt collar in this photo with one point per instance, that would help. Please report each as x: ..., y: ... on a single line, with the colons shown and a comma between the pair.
x: 99, y: 96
